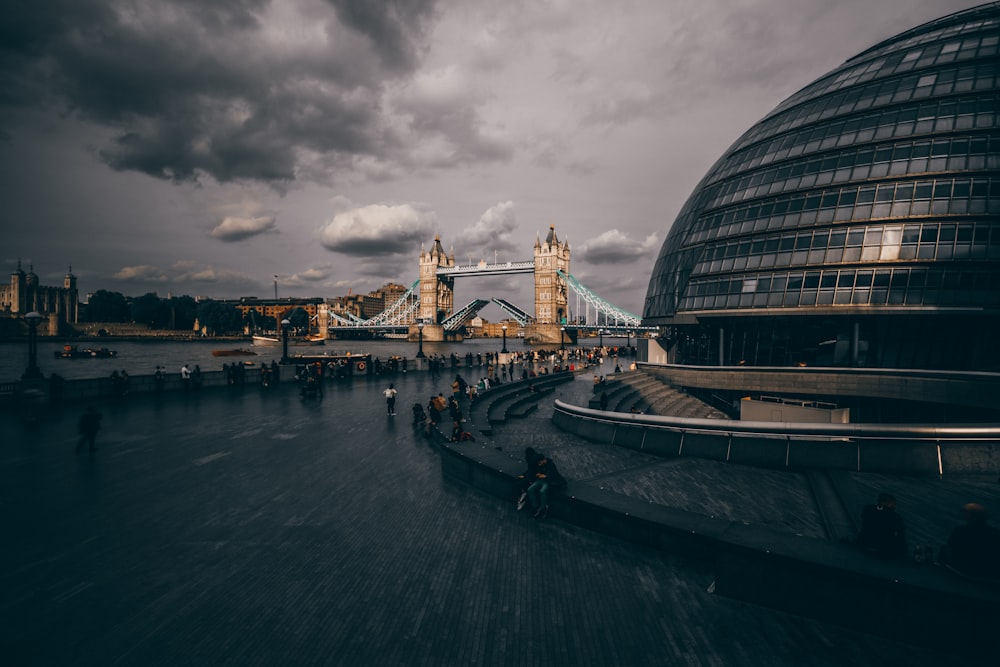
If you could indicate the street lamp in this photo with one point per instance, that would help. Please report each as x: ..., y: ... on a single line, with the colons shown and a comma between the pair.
x: 562, y: 336
x: 504, y: 350
x: 285, y: 323
x: 628, y: 339
x: 32, y: 372
x: 600, y: 332
x: 420, y: 344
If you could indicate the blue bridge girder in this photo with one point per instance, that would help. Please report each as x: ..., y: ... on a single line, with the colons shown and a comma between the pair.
x: 467, y: 312
x: 519, y: 315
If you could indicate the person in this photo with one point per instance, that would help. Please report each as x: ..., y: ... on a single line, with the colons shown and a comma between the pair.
x: 540, y: 476
x: 390, y: 400
x: 158, y: 378
x: 973, y: 549
x: 433, y: 414
x: 196, y: 377
x: 185, y: 377
x: 458, y: 435
x: 883, y: 532
x: 88, y: 425
x: 604, y: 400
x: 419, y: 416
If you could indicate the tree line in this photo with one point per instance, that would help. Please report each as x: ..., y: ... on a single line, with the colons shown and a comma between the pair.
x: 179, y: 313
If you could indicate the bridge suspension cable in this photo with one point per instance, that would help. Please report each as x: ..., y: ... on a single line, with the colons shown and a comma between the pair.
x: 401, y: 313
x: 609, y: 310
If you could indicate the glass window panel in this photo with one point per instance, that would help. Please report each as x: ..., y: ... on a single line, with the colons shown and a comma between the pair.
x: 886, y: 192
x: 864, y: 279
x: 929, y: 234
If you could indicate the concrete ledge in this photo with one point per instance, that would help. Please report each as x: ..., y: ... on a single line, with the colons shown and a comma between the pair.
x: 918, y: 604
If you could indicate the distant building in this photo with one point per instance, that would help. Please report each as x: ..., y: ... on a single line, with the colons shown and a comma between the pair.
x: 23, y: 295
x: 277, y: 308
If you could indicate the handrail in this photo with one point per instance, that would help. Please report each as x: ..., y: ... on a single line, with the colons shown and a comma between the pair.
x: 929, y: 432
x: 830, y: 370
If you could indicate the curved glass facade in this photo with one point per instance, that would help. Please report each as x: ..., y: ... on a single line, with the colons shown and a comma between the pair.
x: 860, y: 211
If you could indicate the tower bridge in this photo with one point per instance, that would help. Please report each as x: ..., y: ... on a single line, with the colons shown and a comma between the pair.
x: 430, y: 300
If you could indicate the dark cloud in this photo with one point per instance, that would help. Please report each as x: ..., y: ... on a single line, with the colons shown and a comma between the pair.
x: 394, y: 27
x: 236, y: 90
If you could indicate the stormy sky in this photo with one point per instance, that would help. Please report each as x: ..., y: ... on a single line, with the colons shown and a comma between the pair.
x: 191, y: 147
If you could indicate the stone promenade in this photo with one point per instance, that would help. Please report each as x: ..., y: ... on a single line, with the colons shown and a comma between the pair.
x: 258, y: 528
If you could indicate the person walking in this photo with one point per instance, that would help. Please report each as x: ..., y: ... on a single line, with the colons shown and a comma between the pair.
x: 88, y: 425
x: 390, y: 400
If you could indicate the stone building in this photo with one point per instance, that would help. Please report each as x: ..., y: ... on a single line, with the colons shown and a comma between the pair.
x: 60, y: 305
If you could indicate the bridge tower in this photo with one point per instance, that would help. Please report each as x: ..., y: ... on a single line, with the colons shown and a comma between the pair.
x: 551, y: 291
x: 437, y: 293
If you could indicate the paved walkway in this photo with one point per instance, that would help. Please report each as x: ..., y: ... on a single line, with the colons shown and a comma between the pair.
x: 247, y: 528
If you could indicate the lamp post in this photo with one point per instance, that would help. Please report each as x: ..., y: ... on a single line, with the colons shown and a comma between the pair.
x: 285, y: 323
x: 628, y: 338
x: 562, y: 339
x: 504, y: 350
x: 32, y: 372
x: 600, y: 332
x: 420, y: 339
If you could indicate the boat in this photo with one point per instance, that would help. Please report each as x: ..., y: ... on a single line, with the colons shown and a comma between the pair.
x: 272, y: 341
x: 266, y: 341
x: 239, y: 352
x: 72, y: 352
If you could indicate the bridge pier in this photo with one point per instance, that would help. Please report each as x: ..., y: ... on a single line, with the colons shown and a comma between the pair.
x: 548, y: 334
x: 433, y: 333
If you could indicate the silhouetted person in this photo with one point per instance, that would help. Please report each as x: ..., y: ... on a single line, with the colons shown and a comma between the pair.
x: 88, y: 425
x: 604, y: 400
x: 974, y: 547
x: 882, y: 530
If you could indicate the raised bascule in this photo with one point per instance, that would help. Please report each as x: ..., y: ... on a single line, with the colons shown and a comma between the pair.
x: 430, y: 301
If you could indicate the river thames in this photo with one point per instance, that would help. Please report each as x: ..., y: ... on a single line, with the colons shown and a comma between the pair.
x: 142, y: 358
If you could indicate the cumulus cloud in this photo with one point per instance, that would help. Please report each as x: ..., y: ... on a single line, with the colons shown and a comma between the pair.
x: 378, y: 230
x: 143, y: 273
x: 492, y: 232
x: 211, y: 274
x: 613, y: 247
x: 237, y: 229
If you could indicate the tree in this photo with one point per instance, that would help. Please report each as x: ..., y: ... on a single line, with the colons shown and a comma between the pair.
x: 151, y: 310
x: 183, y: 311
x: 219, y: 318
x: 105, y: 306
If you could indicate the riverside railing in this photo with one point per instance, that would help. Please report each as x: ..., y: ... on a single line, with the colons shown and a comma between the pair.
x: 896, y: 448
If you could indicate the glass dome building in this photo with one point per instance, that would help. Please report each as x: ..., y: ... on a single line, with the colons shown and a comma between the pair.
x: 857, y: 224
